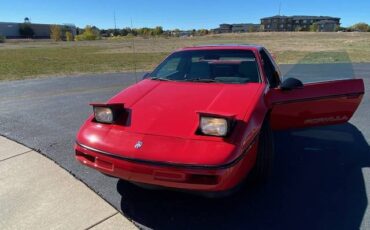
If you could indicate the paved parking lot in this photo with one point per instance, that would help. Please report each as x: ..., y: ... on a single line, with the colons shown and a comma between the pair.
x: 321, y: 179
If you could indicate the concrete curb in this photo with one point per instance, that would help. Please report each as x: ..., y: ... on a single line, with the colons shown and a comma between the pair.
x: 36, y: 193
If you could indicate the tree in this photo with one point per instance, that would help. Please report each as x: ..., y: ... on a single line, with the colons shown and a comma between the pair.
x: 362, y: 27
x: 55, y: 33
x: 202, y: 32
x: 314, y: 27
x: 124, y: 31
x: 89, y: 33
x: 25, y: 30
x: 115, y: 32
x: 69, y: 36
x: 158, y: 30
x: 336, y: 28
x: 132, y: 32
x: 252, y: 29
x: 341, y: 28
x: 2, y: 38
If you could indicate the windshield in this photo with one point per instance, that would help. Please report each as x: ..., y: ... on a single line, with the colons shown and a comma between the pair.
x: 226, y: 66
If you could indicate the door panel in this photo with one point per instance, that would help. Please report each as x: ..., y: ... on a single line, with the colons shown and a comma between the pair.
x: 322, y: 103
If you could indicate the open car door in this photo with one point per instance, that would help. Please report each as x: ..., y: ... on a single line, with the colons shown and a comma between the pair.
x: 315, y: 104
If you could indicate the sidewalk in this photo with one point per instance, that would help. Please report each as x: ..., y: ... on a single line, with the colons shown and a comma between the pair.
x: 35, y: 193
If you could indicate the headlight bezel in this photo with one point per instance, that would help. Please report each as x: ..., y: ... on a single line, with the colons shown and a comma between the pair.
x: 229, y: 122
x: 116, y: 110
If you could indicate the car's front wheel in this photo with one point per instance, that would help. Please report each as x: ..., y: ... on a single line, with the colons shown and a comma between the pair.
x: 265, y: 155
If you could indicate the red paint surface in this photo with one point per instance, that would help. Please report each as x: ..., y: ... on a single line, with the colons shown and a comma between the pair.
x: 322, y: 103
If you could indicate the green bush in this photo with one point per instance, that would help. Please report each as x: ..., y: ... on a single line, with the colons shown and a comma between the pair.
x: 362, y: 27
x: 2, y: 38
x: 69, y: 36
x: 89, y: 34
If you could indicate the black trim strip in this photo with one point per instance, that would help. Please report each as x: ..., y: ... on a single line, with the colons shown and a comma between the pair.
x: 176, y: 165
x: 319, y: 98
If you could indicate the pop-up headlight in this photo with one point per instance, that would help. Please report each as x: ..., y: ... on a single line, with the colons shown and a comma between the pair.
x: 214, y: 126
x: 107, y: 113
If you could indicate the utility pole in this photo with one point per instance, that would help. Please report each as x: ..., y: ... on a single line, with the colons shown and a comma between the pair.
x: 279, y: 8
x: 115, y: 21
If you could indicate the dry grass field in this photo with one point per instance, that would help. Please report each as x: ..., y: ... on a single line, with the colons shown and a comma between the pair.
x: 36, y: 58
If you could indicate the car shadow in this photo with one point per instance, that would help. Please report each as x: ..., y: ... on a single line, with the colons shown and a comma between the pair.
x: 317, y: 184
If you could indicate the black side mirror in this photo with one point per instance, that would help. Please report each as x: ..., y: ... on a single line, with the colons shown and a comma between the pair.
x: 145, y: 76
x: 291, y: 83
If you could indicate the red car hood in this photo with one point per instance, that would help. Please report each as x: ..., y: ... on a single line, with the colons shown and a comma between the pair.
x: 171, y: 108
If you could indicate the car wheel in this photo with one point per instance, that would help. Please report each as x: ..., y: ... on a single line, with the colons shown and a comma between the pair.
x: 265, y: 155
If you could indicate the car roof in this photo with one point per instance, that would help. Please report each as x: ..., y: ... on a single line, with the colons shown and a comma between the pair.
x: 223, y: 47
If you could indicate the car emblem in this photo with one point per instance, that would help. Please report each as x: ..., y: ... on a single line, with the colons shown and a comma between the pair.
x: 138, y: 145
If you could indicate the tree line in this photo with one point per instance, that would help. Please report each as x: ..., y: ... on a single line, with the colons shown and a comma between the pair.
x: 58, y: 33
x: 148, y: 32
x: 358, y: 27
x: 94, y: 33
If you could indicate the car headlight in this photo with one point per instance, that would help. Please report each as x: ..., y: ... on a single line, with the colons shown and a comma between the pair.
x: 103, y: 114
x: 107, y: 113
x: 214, y: 126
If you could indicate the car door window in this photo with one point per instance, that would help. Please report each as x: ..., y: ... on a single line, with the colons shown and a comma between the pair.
x: 269, y: 69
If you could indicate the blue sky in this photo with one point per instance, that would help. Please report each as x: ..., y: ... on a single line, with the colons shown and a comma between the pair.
x: 172, y: 14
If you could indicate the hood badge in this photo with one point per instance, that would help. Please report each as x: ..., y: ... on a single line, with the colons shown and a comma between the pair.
x: 138, y: 145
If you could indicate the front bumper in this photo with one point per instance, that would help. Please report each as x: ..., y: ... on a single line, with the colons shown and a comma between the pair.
x: 189, y: 177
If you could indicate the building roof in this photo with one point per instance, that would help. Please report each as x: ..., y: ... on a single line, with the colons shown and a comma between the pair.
x: 302, y: 17
x: 36, y: 24
x: 275, y: 17
x: 245, y: 24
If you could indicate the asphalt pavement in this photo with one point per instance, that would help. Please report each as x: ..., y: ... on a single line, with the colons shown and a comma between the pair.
x: 321, y: 178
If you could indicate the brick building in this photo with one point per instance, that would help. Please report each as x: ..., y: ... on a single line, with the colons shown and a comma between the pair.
x: 236, y: 28
x: 299, y: 23
x: 11, y: 29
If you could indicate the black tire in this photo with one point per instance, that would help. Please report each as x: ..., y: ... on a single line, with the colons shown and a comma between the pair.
x: 265, y: 155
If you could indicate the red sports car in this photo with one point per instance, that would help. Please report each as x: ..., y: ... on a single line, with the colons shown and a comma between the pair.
x: 203, y: 119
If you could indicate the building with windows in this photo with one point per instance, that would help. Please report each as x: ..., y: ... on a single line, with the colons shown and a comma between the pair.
x: 327, y: 25
x: 12, y: 29
x: 224, y: 28
x: 236, y: 28
x: 245, y: 27
x: 299, y: 23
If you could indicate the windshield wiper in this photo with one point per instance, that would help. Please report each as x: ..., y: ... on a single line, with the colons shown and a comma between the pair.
x: 202, y: 80
x: 160, y: 79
